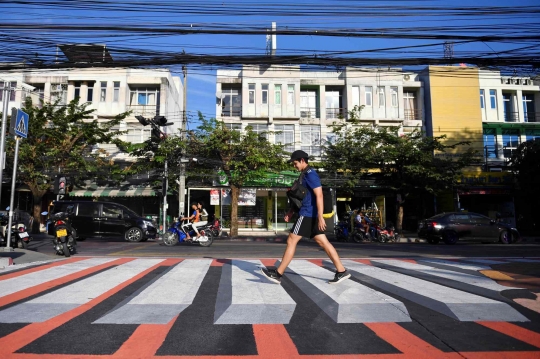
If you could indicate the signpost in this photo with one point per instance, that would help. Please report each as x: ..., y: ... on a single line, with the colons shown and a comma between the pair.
x: 19, y: 128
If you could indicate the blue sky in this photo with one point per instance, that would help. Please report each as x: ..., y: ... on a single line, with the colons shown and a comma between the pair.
x: 201, y: 81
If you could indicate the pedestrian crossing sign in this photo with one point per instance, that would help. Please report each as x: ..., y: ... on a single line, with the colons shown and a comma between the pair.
x: 19, y: 124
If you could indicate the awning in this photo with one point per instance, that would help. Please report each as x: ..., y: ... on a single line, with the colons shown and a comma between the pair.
x: 113, y: 192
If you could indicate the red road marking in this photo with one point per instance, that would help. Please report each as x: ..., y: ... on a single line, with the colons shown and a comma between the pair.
x: 268, y: 262
x: 318, y: 262
x: 406, y: 342
x: 409, y: 261
x: 43, y: 267
x: 273, y: 341
x: 145, y: 341
x: 219, y: 262
x: 364, y: 261
x: 24, y: 336
x: 25, y: 293
x: 514, y: 331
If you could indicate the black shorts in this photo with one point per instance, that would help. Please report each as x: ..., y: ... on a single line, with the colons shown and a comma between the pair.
x: 306, y: 227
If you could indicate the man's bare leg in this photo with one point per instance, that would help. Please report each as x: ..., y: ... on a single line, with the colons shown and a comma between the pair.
x: 292, y: 241
x: 330, y: 251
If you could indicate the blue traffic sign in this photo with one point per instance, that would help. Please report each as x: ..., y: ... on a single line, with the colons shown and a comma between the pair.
x: 21, y: 124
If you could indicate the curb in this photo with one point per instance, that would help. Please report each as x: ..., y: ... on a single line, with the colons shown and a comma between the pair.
x: 5, y: 262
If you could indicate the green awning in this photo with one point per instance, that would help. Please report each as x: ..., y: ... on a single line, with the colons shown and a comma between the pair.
x: 95, y: 191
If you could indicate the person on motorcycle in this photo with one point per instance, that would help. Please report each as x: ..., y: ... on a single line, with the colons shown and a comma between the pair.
x: 203, y: 219
x: 194, y: 218
x: 368, y: 225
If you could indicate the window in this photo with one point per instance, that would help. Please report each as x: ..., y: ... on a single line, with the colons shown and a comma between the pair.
x: 59, y: 93
x: 333, y: 104
x: 482, y: 99
x: 308, y: 104
x: 409, y: 101
x: 311, y: 139
x: 528, y: 108
x: 394, y: 92
x: 232, y: 101
x: 290, y: 94
x: 111, y: 211
x: 277, y: 94
x: 144, y: 100
x: 234, y: 126
x: 381, y: 97
x: 90, y: 94
x: 493, y: 98
x: 508, y: 106
x: 355, y: 96
x: 491, y: 149
x: 285, y: 136
x: 510, y: 141
x: 260, y: 129
x: 87, y: 209
x: 134, y: 135
x: 369, y: 96
x: 116, y: 91
x: 251, y: 93
x: 103, y: 92
x: 532, y: 135
x: 460, y: 218
x: 265, y: 94
x: 77, y: 93
x: 477, y: 219
x: 12, y: 86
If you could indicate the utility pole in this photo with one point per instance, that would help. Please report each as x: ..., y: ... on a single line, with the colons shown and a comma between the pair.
x: 182, y: 179
x: 5, y: 106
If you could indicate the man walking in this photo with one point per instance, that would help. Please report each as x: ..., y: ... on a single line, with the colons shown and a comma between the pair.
x: 310, y: 222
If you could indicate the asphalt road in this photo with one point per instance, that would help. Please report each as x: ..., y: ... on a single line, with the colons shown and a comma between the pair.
x: 268, y: 247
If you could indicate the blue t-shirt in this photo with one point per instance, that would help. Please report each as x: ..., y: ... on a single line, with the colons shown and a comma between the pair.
x: 309, y: 203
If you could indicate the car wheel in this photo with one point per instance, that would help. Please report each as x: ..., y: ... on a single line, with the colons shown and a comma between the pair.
x: 134, y: 234
x: 505, y: 237
x: 450, y: 237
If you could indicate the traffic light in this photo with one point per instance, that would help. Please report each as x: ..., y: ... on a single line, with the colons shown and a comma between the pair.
x: 160, y: 120
x: 156, y: 133
x: 60, y: 185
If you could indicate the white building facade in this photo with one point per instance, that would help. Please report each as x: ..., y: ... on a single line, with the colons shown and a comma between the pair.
x: 303, y: 105
x: 510, y: 114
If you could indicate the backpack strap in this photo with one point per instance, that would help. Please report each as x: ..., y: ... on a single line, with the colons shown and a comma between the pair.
x: 303, y: 174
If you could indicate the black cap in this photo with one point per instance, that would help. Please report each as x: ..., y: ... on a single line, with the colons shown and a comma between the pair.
x: 296, y: 155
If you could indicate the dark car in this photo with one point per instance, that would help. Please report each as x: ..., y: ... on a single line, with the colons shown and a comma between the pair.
x: 454, y: 226
x: 105, y: 219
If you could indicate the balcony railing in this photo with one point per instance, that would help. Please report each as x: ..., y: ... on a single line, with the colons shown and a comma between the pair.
x: 532, y: 117
x: 309, y: 112
x: 511, y: 116
x: 336, y: 113
x: 231, y: 111
x: 145, y: 111
x: 413, y: 115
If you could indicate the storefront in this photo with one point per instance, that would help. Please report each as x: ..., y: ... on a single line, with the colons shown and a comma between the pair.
x: 488, y: 193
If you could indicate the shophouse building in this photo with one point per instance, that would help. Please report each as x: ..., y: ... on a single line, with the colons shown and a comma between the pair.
x: 298, y: 108
x: 109, y: 91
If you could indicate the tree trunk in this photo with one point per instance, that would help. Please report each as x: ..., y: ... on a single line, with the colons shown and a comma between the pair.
x: 37, y: 195
x: 399, y: 224
x: 235, y: 192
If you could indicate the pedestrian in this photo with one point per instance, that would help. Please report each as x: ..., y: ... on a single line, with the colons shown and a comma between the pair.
x: 310, y: 222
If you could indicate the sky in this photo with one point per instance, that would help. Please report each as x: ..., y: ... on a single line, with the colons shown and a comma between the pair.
x: 294, y: 14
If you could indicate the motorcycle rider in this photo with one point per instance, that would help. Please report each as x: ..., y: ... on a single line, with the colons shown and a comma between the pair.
x: 194, y: 218
x: 203, y: 219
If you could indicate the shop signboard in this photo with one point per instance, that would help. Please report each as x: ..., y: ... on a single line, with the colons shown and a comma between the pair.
x: 486, y: 178
x: 214, y: 197
x: 270, y: 180
x: 247, y: 197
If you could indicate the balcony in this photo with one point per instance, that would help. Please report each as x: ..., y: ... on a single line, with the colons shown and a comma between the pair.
x: 144, y: 110
x: 309, y: 112
x: 336, y: 113
x: 413, y: 115
x: 231, y: 111
x: 511, y: 116
x: 532, y: 117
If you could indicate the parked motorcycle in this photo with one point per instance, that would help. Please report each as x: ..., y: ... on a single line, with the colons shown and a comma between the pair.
x: 216, y: 227
x: 178, y: 233
x: 19, y: 235
x: 65, y: 237
x: 342, y: 228
x: 386, y: 234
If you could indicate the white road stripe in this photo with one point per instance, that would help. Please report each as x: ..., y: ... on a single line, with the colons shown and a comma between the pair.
x: 165, y: 298
x: 348, y: 301
x: 64, y: 299
x: 246, y: 297
x: 454, y: 303
x: 455, y: 264
x: 25, y: 281
x: 475, y: 280
x: 483, y: 261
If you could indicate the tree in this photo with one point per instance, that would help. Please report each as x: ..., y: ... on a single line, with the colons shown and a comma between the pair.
x: 407, y: 163
x: 242, y: 156
x: 63, y: 139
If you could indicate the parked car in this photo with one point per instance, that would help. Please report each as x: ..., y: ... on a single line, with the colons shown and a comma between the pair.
x: 105, y: 219
x: 454, y: 226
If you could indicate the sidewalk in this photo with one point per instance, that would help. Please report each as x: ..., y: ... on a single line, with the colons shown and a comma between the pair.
x: 281, y: 236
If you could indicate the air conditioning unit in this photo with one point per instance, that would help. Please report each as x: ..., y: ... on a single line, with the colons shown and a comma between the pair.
x: 407, y: 77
